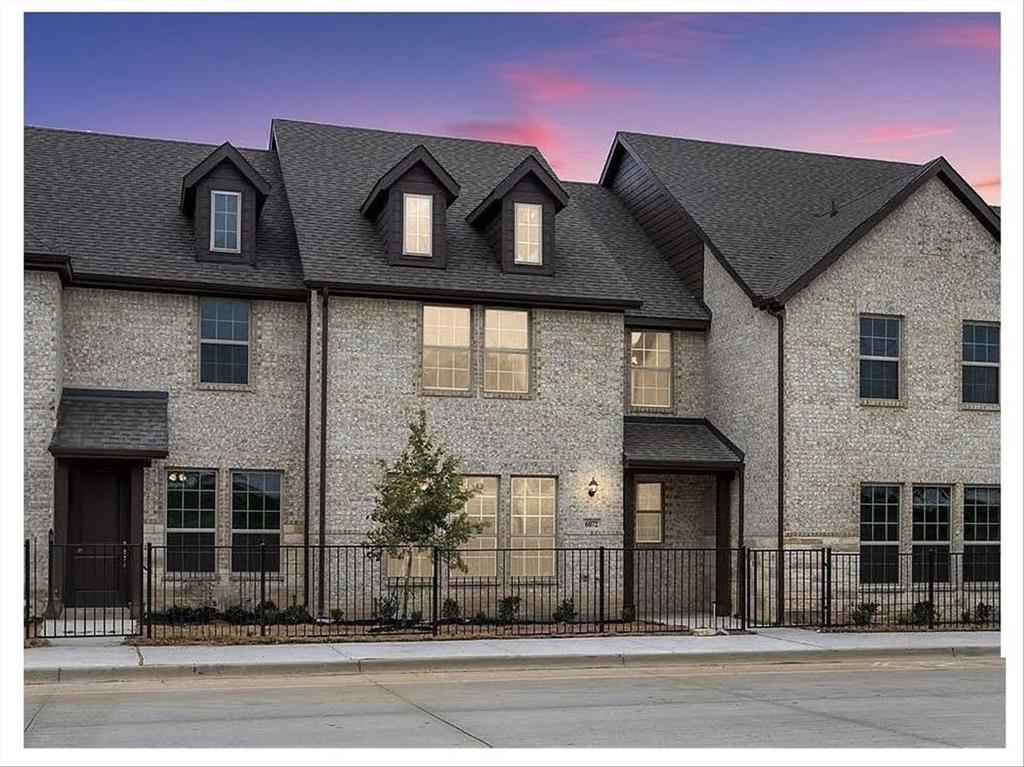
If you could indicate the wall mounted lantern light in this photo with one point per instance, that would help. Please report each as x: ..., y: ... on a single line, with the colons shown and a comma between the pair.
x: 592, y: 487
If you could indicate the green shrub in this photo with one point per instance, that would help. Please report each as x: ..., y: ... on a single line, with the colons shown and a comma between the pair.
x: 565, y: 612
x: 337, y: 615
x: 481, y: 618
x: 450, y: 610
x: 237, y: 614
x: 295, y: 614
x: 983, y: 613
x: 385, y: 608
x: 508, y: 609
x: 181, y: 615
x: 920, y: 614
x: 864, y: 613
x: 267, y: 612
x: 628, y: 614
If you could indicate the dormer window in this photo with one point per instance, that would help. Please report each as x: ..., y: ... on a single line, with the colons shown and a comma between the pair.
x: 225, y: 221
x: 417, y: 228
x: 529, y: 247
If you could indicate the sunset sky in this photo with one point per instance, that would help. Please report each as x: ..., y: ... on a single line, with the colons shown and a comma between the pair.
x: 897, y: 86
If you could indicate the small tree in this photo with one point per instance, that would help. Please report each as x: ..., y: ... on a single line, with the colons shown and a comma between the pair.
x: 420, y: 503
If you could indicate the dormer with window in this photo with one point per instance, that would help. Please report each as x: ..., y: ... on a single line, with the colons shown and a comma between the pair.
x: 518, y: 218
x: 408, y: 205
x: 224, y: 195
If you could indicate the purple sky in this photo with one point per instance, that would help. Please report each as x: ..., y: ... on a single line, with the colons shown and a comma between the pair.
x: 896, y: 86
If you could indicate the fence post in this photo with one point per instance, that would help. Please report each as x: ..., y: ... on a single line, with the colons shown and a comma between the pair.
x: 51, y: 611
x: 601, y: 589
x: 822, y: 599
x: 436, y: 588
x: 263, y: 590
x: 742, y: 567
x: 149, y: 589
x: 28, y: 611
x: 828, y: 586
x: 931, y: 587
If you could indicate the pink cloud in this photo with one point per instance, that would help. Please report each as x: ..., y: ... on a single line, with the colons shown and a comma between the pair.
x: 667, y: 37
x: 884, y: 134
x: 539, y: 133
x: 537, y: 82
x: 972, y: 36
x: 988, y: 181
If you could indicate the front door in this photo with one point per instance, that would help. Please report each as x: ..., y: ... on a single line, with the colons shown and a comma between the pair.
x: 98, y: 561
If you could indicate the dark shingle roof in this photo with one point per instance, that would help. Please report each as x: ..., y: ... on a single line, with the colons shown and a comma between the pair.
x: 111, y: 204
x: 650, y: 442
x: 664, y: 295
x: 329, y: 170
x: 111, y: 422
x: 767, y: 211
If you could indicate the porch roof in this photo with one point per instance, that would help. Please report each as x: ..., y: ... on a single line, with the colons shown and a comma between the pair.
x: 687, y: 444
x: 111, y: 423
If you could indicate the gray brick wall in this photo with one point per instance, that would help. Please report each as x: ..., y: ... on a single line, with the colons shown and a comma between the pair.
x: 741, y: 392
x: 44, y: 363
x: 932, y: 263
x: 570, y: 427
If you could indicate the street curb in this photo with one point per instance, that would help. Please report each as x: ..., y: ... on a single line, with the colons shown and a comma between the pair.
x: 494, y: 663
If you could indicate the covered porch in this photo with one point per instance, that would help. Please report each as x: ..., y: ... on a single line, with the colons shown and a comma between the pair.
x: 682, y: 519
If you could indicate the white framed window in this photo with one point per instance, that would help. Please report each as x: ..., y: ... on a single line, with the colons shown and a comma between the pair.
x: 880, y: 357
x: 506, y: 351
x: 529, y: 247
x: 224, y: 341
x: 255, y: 521
x: 417, y: 235
x: 479, y: 553
x: 650, y: 361
x: 649, y: 512
x: 446, y: 334
x: 191, y: 521
x: 225, y: 221
x: 533, y: 526
x: 980, y: 367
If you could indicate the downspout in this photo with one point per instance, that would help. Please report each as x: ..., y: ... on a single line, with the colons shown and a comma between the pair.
x: 306, y: 578
x: 780, y: 585
x: 323, y: 451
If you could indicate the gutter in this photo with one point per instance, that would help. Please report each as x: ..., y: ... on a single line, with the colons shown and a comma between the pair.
x: 780, y: 316
x: 305, y: 452
x: 323, y: 450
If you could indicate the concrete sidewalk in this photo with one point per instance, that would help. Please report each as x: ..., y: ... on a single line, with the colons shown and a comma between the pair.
x: 107, y: 660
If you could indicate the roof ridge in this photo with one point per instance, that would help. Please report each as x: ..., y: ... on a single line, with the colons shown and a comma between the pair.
x: 908, y: 176
x: 780, y: 150
x: 467, y: 139
x: 155, y: 139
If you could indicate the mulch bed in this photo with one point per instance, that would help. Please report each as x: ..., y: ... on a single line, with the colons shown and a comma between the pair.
x: 225, y: 633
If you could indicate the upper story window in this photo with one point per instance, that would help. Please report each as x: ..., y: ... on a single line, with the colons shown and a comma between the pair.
x: 417, y: 235
x: 529, y: 219
x: 879, y: 357
x: 223, y: 341
x: 446, y: 334
x: 226, y: 222
x: 981, y: 362
x: 507, y: 351
x: 650, y: 361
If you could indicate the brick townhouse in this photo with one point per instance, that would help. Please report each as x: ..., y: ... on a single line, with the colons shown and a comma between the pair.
x: 713, y: 346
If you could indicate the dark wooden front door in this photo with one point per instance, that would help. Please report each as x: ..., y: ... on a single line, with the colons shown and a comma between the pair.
x: 98, y: 564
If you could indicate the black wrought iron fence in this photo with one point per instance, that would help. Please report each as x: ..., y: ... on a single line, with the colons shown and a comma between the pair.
x: 195, y: 592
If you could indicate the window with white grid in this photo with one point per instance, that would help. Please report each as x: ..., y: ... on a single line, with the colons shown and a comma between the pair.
x: 649, y: 512
x: 446, y: 338
x: 479, y: 552
x: 533, y: 526
x: 650, y: 360
x: 506, y: 351
x: 417, y: 235
x: 529, y: 249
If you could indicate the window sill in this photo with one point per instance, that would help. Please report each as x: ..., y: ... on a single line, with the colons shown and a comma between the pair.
x: 507, y: 395
x: 254, y: 577
x: 446, y: 392
x: 190, y: 577
x: 651, y: 410
x: 225, y: 387
x: 984, y: 407
x: 866, y: 402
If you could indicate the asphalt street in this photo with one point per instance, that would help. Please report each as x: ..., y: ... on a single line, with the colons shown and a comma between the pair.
x: 899, y: 703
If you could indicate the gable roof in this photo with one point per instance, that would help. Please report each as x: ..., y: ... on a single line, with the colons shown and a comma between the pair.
x: 419, y: 154
x: 529, y: 166
x: 657, y: 442
x: 327, y: 170
x: 776, y: 218
x: 110, y: 205
x: 224, y: 153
